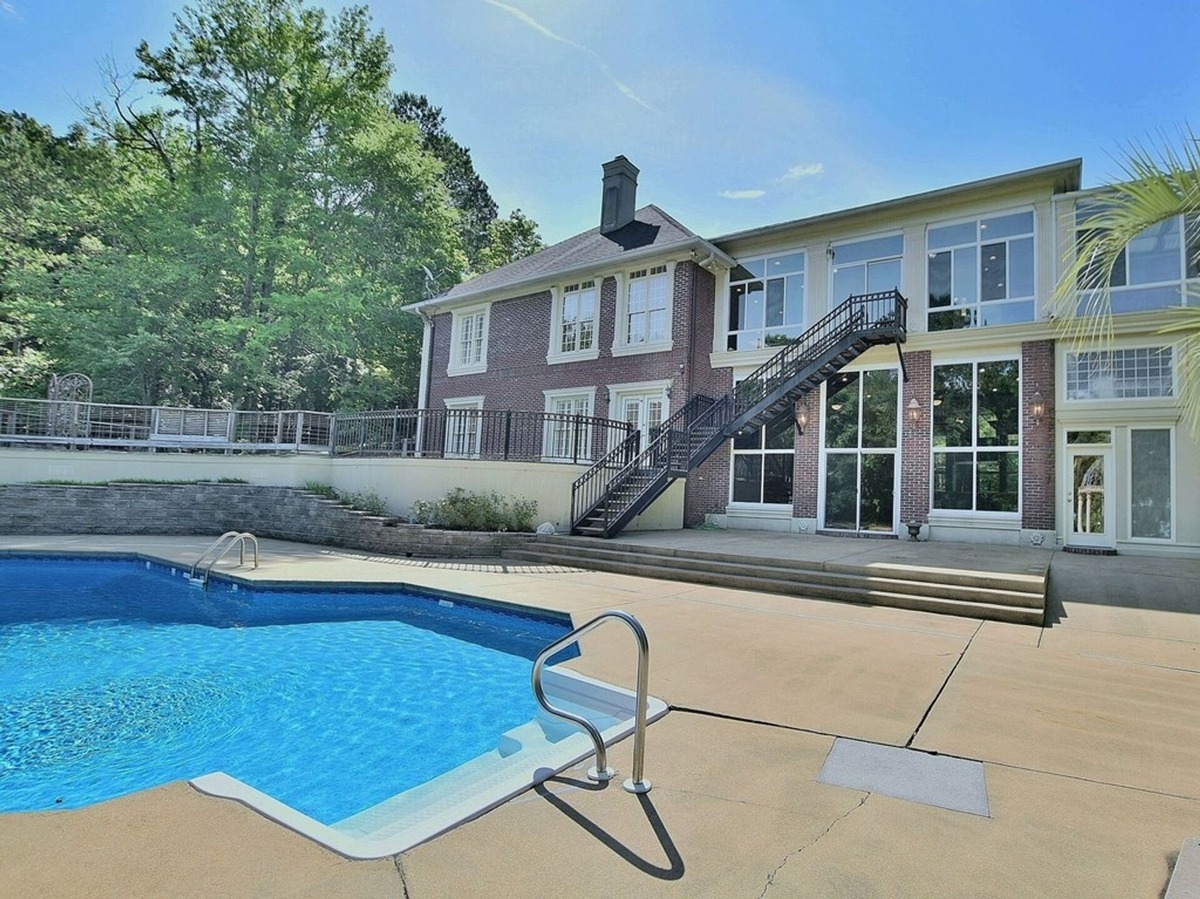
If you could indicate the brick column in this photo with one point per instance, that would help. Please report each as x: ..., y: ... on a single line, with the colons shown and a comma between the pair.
x: 915, y: 438
x: 1037, y: 437
x: 806, y: 472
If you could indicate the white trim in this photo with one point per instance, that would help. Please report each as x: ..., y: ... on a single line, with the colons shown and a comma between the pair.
x: 458, y: 316
x: 554, y: 355
x: 614, y: 390
x: 548, y: 434
x: 620, y: 345
x: 463, y: 403
x: 1151, y: 541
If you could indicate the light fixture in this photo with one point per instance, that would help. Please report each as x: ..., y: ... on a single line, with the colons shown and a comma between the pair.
x: 836, y: 407
x: 801, y: 419
x: 914, y: 410
x: 1037, y: 407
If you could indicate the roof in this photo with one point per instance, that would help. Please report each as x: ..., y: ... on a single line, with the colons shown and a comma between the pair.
x: 651, y: 233
x: 1065, y: 175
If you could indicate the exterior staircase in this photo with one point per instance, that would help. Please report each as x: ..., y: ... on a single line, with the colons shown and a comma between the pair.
x: 610, y: 494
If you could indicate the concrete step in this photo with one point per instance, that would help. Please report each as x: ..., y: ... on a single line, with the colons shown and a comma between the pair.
x: 975, y: 599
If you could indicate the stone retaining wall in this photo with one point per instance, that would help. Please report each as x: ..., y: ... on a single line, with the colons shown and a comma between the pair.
x: 282, y: 513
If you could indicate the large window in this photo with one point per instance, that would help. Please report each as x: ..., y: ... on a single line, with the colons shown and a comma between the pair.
x: 861, y: 415
x: 574, y: 328
x: 1141, y: 373
x: 981, y: 272
x: 865, y: 266
x: 1151, y: 270
x: 464, y: 420
x: 976, y: 436
x: 468, y: 342
x: 1150, y: 483
x: 647, y: 306
x: 762, y: 462
x: 766, y: 301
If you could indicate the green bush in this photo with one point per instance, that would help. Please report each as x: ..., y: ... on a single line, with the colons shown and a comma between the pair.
x: 460, y: 510
x: 367, y: 500
x: 320, y: 489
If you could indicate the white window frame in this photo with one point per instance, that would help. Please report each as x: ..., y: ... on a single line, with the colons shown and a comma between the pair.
x: 762, y: 451
x: 730, y: 283
x: 455, y: 433
x: 559, y: 296
x: 975, y: 449
x: 621, y: 343
x: 980, y: 304
x: 462, y: 319
x: 1129, y: 461
x: 1070, y: 355
x: 552, y: 432
x: 835, y: 301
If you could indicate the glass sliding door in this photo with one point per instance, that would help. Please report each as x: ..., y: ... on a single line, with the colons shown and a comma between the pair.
x: 858, y: 491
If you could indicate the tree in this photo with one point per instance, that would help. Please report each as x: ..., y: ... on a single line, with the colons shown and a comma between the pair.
x: 510, y: 239
x: 1158, y: 185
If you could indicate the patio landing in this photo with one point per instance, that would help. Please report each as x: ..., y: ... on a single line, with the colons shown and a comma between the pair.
x: 975, y: 581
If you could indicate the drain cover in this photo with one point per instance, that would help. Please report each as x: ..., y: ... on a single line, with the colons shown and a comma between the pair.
x: 940, y: 780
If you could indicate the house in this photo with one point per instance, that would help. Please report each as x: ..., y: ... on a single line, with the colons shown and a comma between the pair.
x: 913, y: 373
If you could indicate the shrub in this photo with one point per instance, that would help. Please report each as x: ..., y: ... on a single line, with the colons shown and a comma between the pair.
x: 320, y: 489
x: 367, y: 500
x: 460, y: 510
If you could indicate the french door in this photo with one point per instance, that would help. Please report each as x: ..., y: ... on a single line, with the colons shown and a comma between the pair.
x: 859, y: 452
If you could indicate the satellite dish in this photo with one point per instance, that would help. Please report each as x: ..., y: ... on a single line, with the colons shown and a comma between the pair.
x: 428, y: 281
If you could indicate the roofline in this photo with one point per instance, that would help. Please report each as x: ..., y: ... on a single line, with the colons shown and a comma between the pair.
x: 1072, y: 169
x: 521, y: 288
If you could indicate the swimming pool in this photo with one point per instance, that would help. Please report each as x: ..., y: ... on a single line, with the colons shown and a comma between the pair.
x: 333, y: 711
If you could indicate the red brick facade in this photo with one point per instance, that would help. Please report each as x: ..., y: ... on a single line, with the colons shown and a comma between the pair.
x: 916, y: 427
x: 1037, y: 441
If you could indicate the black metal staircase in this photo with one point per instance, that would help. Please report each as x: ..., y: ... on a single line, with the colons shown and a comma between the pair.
x: 622, y: 484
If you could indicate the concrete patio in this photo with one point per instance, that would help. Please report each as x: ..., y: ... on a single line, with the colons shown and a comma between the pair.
x: 1087, y: 730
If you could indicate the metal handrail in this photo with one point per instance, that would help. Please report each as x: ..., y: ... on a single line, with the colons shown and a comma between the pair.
x: 601, y: 772
x: 224, y: 543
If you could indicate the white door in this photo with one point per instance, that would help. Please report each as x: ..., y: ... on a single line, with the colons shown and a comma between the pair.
x: 1089, y: 508
x: 644, y: 411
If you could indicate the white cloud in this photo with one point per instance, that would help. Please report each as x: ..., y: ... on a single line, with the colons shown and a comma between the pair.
x: 541, y: 29
x: 742, y: 194
x: 803, y: 171
x: 8, y: 8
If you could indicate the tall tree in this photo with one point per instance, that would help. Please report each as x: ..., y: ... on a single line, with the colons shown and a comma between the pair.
x: 1158, y: 185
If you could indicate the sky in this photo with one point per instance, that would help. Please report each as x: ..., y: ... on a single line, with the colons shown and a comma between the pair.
x: 738, y: 114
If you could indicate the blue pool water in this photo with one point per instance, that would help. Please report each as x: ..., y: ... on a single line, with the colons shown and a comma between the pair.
x: 115, y: 677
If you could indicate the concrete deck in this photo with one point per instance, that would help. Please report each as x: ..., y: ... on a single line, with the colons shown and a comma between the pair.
x: 1088, y: 731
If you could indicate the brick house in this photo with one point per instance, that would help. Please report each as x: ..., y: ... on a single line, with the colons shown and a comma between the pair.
x: 974, y: 420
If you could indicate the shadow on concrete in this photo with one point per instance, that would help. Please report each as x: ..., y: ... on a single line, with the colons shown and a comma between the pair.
x: 1135, y: 582
x: 674, y: 859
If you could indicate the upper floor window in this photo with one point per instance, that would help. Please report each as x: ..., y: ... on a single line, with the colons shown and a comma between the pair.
x: 981, y: 272
x: 468, y: 342
x: 573, y: 332
x: 1141, y: 373
x: 1149, y: 272
x: 865, y: 266
x: 644, y: 321
x: 766, y: 301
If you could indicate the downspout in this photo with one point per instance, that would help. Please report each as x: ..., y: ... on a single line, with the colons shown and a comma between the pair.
x: 423, y: 386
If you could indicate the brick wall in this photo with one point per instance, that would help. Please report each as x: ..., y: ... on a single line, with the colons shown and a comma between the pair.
x: 1037, y: 445
x: 806, y: 474
x: 915, y: 439
x: 282, y: 513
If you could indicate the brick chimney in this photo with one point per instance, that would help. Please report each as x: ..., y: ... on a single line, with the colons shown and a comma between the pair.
x: 619, y: 199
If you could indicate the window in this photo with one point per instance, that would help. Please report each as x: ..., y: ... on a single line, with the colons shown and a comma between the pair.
x: 860, y: 450
x: 981, y: 272
x: 1143, y: 373
x: 573, y: 334
x: 763, y: 460
x: 464, y: 421
x: 1150, y: 271
x: 865, y: 266
x: 1150, y: 483
x: 468, y: 342
x: 766, y: 301
x: 976, y: 436
x: 644, y: 321
x: 568, y: 433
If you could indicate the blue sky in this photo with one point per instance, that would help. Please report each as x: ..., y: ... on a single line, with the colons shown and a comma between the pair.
x: 738, y: 114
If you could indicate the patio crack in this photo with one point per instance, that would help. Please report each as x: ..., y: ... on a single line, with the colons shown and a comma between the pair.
x: 398, y: 861
x: 942, y: 688
x: 771, y: 877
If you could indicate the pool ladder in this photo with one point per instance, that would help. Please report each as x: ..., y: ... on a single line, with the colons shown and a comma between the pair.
x: 601, y: 771
x: 218, y: 548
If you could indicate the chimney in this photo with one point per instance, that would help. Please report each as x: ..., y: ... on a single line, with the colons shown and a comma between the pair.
x: 619, y: 199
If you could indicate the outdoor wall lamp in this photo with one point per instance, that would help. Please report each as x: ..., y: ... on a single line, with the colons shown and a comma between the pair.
x: 914, y: 410
x: 801, y: 419
x: 1037, y: 407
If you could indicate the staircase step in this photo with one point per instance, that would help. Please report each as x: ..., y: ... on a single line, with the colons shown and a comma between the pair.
x: 977, y: 602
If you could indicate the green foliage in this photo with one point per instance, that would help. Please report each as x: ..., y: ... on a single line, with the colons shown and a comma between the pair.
x: 366, y: 500
x: 246, y: 236
x: 461, y: 510
x: 320, y: 489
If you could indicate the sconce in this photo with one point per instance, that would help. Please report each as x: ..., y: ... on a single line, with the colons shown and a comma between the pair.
x: 914, y: 410
x: 1037, y: 407
x: 801, y: 420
